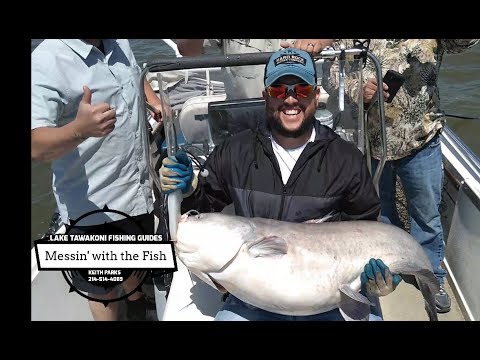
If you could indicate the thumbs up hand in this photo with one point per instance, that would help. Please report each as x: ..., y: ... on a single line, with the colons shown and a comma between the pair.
x: 93, y: 120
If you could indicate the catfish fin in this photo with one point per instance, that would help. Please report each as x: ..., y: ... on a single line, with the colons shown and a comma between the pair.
x: 209, y: 280
x: 428, y: 285
x: 353, y: 305
x: 268, y: 246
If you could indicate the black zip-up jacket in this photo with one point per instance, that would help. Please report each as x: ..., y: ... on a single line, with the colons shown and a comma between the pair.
x: 330, y: 174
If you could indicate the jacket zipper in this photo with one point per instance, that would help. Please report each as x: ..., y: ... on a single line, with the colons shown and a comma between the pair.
x: 280, y: 214
x: 276, y: 166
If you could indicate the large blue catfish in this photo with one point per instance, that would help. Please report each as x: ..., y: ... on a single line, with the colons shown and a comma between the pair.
x: 298, y: 268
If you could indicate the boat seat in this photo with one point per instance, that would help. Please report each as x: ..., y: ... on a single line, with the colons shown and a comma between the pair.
x: 229, y: 117
x: 193, y: 117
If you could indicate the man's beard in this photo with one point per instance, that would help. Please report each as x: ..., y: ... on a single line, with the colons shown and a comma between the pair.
x: 275, y: 124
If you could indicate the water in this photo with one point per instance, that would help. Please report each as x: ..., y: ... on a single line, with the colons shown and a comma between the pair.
x: 459, y: 88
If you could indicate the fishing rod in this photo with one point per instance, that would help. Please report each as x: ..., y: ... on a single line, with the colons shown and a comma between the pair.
x: 463, y: 117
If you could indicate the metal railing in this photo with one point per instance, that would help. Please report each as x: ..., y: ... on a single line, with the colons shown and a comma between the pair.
x: 211, y: 61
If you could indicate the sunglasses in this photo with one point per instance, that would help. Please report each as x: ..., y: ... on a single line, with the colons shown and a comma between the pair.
x: 281, y: 91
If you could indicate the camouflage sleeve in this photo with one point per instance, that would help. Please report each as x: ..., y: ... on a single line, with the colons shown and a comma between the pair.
x: 455, y: 46
x: 330, y: 76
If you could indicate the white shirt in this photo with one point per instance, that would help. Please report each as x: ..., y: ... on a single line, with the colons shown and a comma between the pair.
x: 288, y: 157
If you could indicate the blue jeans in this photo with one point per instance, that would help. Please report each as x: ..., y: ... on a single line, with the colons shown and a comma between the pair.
x: 421, y: 174
x: 235, y: 309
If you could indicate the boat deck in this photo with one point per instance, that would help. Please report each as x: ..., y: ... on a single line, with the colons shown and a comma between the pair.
x: 406, y: 304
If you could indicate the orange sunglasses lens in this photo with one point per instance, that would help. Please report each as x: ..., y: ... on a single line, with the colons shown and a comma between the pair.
x: 281, y: 91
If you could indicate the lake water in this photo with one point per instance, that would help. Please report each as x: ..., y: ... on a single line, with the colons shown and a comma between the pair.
x: 459, y: 91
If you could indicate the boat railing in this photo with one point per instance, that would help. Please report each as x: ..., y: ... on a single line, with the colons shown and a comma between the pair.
x: 460, y: 213
x: 165, y: 64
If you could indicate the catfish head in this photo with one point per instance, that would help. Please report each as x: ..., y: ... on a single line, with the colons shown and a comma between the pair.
x: 207, y: 242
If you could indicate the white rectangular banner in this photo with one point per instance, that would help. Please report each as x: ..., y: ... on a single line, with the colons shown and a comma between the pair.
x: 83, y: 255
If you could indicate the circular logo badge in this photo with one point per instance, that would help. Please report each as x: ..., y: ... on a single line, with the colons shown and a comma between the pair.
x: 104, y: 284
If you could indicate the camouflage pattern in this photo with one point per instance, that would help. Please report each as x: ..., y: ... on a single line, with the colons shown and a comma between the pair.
x: 414, y: 115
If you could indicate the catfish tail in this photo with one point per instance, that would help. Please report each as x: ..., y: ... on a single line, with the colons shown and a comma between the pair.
x: 427, y: 283
x: 429, y: 286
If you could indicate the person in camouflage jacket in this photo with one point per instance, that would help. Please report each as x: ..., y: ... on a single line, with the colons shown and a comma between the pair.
x: 413, y: 124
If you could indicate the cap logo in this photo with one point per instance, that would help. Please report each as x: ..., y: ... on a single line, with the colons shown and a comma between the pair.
x: 290, y: 59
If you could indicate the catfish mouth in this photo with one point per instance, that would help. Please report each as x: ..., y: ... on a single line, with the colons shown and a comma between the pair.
x: 184, y: 217
x: 179, y: 245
